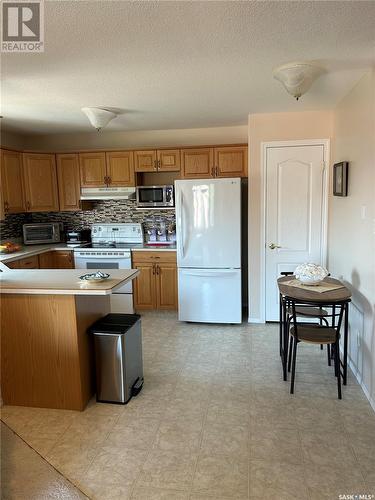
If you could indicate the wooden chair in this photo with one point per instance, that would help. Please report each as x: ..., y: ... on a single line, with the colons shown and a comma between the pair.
x: 315, y: 334
x: 309, y: 311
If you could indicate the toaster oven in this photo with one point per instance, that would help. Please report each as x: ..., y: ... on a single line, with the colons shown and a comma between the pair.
x: 37, y: 234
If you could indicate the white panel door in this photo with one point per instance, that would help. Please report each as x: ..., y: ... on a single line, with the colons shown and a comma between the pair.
x: 294, y: 213
x: 208, y: 219
x: 209, y: 295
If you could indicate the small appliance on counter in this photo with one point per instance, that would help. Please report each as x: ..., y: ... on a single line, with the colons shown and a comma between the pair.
x: 158, y: 231
x: 40, y: 233
x: 78, y: 238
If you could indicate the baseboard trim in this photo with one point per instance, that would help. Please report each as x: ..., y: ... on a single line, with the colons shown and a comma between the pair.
x: 357, y: 375
x: 255, y: 320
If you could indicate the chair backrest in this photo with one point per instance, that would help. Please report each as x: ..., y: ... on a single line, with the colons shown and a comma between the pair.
x: 337, y: 311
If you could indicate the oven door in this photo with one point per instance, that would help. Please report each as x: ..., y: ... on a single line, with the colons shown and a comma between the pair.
x: 97, y: 262
x: 151, y: 196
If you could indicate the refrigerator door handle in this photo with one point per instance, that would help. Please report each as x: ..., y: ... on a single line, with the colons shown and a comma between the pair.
x: 208, y: 273
x: 180, y: 233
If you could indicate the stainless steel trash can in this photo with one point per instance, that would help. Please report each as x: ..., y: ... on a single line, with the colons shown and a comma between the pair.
x: 118, y: 356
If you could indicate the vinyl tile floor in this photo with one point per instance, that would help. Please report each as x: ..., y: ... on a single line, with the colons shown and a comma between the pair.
x: 215, y: 420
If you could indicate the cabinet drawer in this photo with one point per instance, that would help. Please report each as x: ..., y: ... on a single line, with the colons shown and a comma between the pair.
x: 152, y: 256
x: 15, y: 264
x: 29, y: 263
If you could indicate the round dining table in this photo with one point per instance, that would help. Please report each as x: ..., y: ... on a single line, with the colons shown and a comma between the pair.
x: 312, y: 297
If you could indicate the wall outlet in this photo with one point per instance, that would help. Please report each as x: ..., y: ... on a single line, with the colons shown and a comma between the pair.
x: 358, y: 338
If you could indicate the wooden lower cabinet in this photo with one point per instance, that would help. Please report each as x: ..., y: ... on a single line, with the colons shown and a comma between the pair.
x: 58, y: 259
x: 25, y: 263
x: 156, y: 286
x: 63, y: 259
x: 144, y: 286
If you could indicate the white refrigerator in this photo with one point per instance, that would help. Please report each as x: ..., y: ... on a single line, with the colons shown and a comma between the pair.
x: 208, y: 224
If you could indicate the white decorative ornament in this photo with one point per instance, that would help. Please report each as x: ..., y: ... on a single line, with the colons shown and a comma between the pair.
x: 310, y: 274
x: 297, y: 77
x: 99, y: 117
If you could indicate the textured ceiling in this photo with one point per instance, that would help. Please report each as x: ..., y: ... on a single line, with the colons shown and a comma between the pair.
x: 182, y: 64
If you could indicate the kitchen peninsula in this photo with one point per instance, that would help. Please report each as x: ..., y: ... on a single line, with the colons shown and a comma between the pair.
x: 46, y: 353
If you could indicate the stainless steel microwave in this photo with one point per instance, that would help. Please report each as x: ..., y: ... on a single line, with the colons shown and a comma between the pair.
x: 37, y: 234
x: 155, y: 196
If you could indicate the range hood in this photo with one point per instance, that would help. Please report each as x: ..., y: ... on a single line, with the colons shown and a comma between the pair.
x: 108, y: 193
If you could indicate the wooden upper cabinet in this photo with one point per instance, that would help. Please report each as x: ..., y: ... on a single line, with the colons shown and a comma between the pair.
x: 11, y: 182
x: 197, y: 163
x: 120, y: 168
x: 40, y: 182
x: 145, y: 161
x: 169, y: 160
x: 231, y: 161
x: 92, y: 169
x: 68, y: 181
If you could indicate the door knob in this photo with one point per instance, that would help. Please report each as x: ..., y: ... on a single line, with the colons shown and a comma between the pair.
x: 272, y: 246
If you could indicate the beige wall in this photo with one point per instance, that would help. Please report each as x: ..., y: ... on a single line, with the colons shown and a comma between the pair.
x: 12, y: 141
x: 140, y: 139
x: 273, y: 127
x: 351, y: 238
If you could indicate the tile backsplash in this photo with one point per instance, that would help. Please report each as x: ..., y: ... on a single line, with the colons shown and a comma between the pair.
x: 103, y: 211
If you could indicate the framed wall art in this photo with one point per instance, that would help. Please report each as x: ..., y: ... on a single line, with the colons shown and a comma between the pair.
x: 340, y: 178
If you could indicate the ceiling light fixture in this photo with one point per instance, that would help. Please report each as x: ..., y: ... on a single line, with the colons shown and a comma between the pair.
x: 297, y: 77
x: 99, y: 117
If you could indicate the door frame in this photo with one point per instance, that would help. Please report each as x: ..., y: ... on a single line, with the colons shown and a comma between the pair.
x: 263, y: 200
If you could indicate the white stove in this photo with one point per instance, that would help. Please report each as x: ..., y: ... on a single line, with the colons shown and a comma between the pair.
x: 110, y: 249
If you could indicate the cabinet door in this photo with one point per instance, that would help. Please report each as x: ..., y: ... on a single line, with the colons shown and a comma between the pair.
x: 197, y: 163
x: 29, y: 262
x: 145, y: 161
x: 63, y: 259
x: 68, y: 182
x: 144, y: 286
x: 92, y: 169
x: 166, y: 286
x: 40, y: 181
x: 46, y: 260
x: 169, y: 160
x: 11, y: 182
x: 231, y: 161
x: 120, y: 168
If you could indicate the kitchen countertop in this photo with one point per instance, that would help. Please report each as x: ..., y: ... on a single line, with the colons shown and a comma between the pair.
x: 29, y: 250
x: 61, y: 282
x: 154, y: 248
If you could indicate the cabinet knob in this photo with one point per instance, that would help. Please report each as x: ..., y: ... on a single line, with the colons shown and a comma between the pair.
x: 153, y: 269
x: 28, y: 206
x: 155, y: 165
x: 6, y: 206
x: 157, y: 270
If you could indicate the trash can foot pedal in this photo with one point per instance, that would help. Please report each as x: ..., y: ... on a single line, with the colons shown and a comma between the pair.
x: 137, y: 387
